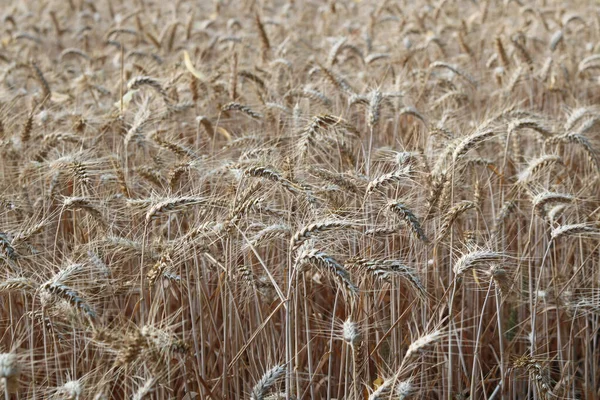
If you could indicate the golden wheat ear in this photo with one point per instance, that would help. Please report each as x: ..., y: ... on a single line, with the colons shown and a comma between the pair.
x: 266, y: 382
x: 10, y: 371
x: 405, y: 214
x: 394, y: 388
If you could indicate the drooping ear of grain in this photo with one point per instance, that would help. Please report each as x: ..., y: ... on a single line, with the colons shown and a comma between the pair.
x: 405, y: 214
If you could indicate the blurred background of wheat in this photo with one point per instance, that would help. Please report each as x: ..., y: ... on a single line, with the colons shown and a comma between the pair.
x: 303, y: 199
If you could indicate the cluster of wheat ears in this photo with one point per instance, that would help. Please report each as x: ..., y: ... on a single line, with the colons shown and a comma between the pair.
x: 300, y: 199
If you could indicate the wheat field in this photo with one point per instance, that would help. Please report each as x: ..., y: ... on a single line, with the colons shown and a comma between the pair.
x: 300, y: 199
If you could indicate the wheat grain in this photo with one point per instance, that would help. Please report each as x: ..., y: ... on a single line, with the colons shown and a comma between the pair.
x: 475, y: 259
x: 574, y: 229
x: 407, y: 216
x: 315, y: 228
x: 268, y: 380
x: 328, y: 264
x: 10, y: 371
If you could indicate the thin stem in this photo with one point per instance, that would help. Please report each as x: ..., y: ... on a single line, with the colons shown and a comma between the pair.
x: 500, y: 339
x: 478, y: 341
